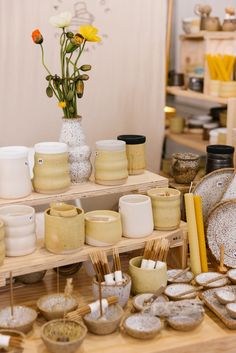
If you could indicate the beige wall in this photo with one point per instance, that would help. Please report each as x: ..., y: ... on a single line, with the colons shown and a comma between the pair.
x: 125, y: 93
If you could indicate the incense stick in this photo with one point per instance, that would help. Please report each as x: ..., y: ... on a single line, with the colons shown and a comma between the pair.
x: 58, y: 281
x: 11, y: 294
x: 100, y: 298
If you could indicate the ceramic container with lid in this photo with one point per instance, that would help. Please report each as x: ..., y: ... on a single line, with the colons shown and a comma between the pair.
x: 111, y: 165
x: 15, y: 175
x: 185, y: 167
x: 207, y: 128
x: 135, y: 151
x: 218, y: 157
x: 51, y: 168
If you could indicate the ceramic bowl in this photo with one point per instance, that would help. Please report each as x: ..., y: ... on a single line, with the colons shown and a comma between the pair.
x: 12, y: 333
x: 225, y: 296
x: 22, y: 321
x: 142, y: 326
x: 106, y: 324
x: 232, y: 275
x: 55, y: 306
x: 31, y: 278
x: 139, y: 300
x: 173, y: 291
x: 184, y: 323
x: 205, y: 276
x: 63, y: 336
x: 186, y: 277
x: 231, y: 309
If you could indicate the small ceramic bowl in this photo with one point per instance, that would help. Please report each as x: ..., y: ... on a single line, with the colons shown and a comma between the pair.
x: 232, y: 275
x: 31, y: 278
x: 63, y: 336
x: 206, y: 276
x: 12, y: 333
x: 184, y: 323
x: 174, y: 290
x: 106, y: 324
x: 186, y: 277
x: 231, y: 309
x: 142, y: 326
x: 139, y: 300
x: 55, y: 306
x: 225, y: 296
x: 22, y: 320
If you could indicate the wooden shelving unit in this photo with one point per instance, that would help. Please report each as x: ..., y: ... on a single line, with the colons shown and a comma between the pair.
x: 193, y: 141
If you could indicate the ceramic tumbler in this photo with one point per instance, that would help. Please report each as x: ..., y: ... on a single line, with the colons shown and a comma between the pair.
x: 177, y: 124
x: 136, y: 215
x: 51, y: 168
x: 2, y: 244
x: 20, y: 237
x: 110, y: 162
x: 15, y: 174
x: 165, y: 207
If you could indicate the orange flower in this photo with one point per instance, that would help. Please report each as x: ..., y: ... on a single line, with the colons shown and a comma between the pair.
x: 37, y: 36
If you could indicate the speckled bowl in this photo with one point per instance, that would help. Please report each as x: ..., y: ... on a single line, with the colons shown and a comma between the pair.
x: 138, y: 300
x: 55, y: 306
x: 186, y: 277
x: 23, y: 320
x: 231, y: 309
x: 184, y: 323
x: 225, y: 296
x: 205, y: 276
x: 142, y: 326
x: 232, y: 275
x: 31, y: 278
x: 173, y: 291
x: 54, y: 331
x: 12, y: 333
x: 107, y: 324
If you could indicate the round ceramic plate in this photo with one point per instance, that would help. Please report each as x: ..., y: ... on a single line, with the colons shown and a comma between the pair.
x: 202, y: 278
x: 212, y: 187
x: 139, y: 304
x: 232, y: 275
x: 221, y: 229
x: 174, y: 290
x: 184, y: 278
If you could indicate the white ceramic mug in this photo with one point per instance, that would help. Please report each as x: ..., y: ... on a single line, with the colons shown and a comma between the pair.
x: 136, y: 215
x: 20, y: 237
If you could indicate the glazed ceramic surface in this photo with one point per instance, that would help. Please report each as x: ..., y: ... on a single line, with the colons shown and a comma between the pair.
x: 232, y: 275
x: 184, y: 323
x: 185, y: 167
x: 139, y: 300
x: 184, y: 278
x: 55, y: 306
x: 225, y: 296
x: 22, y: 320
x: 230, y: 192
x: 174, y: 291
x: 142, y: 326
x: 206, y: 276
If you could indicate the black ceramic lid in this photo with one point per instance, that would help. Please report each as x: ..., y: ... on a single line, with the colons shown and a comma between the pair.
x: 220, y: 149
x: 132, y: 139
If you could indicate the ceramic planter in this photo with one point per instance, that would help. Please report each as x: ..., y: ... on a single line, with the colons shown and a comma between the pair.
x: 185, y: 167
x: 165, y: 208
x: 136, y: 215
x: 146, y: 280
x: 20, y: 237
x: 51, y: 168
x: 2, y: 244
x: 15, y: 175
x: 110, y: 162
x: 64, y: 234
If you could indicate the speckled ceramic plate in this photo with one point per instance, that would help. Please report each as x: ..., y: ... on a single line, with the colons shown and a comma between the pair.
x: 212, y: 187
x: 230, y: 192
x: 174, y: 290
x: 184, y: 278
x: 139, y: 304
x: 221, y: 229
x: 202, y: 278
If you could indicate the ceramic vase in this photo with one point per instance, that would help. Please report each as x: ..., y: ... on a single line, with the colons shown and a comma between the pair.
x: 79, y: 153
x: 15, y: 175
x: 20, y: 237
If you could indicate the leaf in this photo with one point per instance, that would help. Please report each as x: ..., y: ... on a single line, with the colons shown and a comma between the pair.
x: 70, y: 95
x: 49, y: 91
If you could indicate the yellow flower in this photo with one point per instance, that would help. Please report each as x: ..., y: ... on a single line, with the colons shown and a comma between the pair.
x: 62, y: 104
x: 89, y: 33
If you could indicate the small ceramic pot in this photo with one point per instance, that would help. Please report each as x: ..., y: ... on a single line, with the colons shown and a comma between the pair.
x: 175, y: 79
x: 165, y: 208
x: 177, y: 124
x: 63, y: 336
x: 20, y: 237
x: 185, y: 323
x: 214, y: 88
x: 51, y: 168
x: 229, y: 25
x: 212, y: 24
x: 15, y: 175
x: 218, y: 157
x: 142, y: 326
x: 223, y: 118
x: 111, y: 165
x: 227, y: 89
x: 2, y: 243
x: 22, y: 320
x: 103, y: 227
x: 31, y: 278
x: 135, y: 151
x: 64, y: 235
x: 122, y: 291
x: 55, y: 306
x: 196, y: 84
x: 136, y: 215
x: 185, y: 167
x: 207, y: 128
x: 12, y: 333
x: 146, y: 280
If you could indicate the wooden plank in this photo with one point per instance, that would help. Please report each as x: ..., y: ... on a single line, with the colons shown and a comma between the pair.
x: 137, y: 183
x: 193, y: 141
x: 209, y: 35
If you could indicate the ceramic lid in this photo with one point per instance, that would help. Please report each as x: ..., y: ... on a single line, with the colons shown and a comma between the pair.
x: 51, y: 147
x: 110, y: 145
x: 132, y: 139
x: 11, y: 152
x: 220, y: 149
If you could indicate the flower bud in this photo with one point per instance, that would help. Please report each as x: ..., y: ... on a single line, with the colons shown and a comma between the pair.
x: 84, y: 77
x: 80, y: 88
x: 37, y: 37
x: 85, y: 67
x: 69, y: 35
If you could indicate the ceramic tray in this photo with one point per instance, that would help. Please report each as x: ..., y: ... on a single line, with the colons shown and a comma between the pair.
x: 221, y: 229
x: 212, y: 187
x: 219, y: 309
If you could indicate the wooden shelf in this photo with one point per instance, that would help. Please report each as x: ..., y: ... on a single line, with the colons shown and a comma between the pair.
x: 193, y: 141
x: 209, y: 35
x: 138, y: 183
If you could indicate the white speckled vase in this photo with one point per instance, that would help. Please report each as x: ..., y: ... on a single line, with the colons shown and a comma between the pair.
x: 79, y: 153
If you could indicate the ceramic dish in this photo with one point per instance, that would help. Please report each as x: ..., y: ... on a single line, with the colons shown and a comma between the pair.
x: 231, y: 309
x: 232, y: 275
x: 230, y: 192
x: 184, y: 278
x: 55, y: 306
x: 202, y: 278
x: 185, y: 323
x: 142, y: 326
x: 185, y: 307
x: 22, y: 320
x: 174, y: 290
x: 139, y: 304
x: 12, y: 333
x: 221, y: 227
x: 211, y: 188
x: 225, y: 296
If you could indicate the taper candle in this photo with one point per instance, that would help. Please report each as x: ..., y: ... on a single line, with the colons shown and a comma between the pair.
x: 201, y: 233
x: 192, y: 234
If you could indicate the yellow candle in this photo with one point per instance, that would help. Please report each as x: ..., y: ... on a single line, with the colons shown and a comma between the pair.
x: 200, y: 231
x: 195, y: 261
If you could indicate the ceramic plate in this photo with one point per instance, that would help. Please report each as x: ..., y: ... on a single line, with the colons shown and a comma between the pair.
x: 138, y: 300
x: 230, y: 192
x: 212, y: 187
x: 174, y: 290
x: 221, y: 229
x: 184, y: 278
x: 232, y: 275
x: 206, y: 276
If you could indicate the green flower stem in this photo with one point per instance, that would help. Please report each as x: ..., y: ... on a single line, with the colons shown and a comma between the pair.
x: 43, y: 61
x: 54, y: 91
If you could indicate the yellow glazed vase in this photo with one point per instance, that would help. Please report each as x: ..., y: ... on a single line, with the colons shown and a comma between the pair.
x: 165, y: 208
x: 2, y: 244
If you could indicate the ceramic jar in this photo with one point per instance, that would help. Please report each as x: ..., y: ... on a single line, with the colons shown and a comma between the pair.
x: 177, y: 124
x: 136, y: 215
x: 218, y: 157
x: 212, y: 24
x: 135, y: 151
x: 20, y: 237
x: 2, y: 244
x: 51, y: 168
x: 185, y: 167
x: 15, y: 175
x: 64, y: 229
x: 110, y: 162
x: 165, y: 208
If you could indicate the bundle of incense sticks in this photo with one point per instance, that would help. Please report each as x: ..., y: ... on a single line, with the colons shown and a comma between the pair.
x: 117, y: 266
x: 155, y: 251
x: 8, y: 341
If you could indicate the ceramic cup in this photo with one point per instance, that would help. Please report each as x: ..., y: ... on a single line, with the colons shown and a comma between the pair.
x: 15, y: 174
x: 20, y: 237
x: 214, y: 88
x: 146, y: 280
x: 136, y: 215
x: 227, y: 89
x: 165, y: 207
x: 177, y: 124
x: 2, y: 243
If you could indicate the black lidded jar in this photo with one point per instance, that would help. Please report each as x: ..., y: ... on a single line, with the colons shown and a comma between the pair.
x: 218, y: 157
